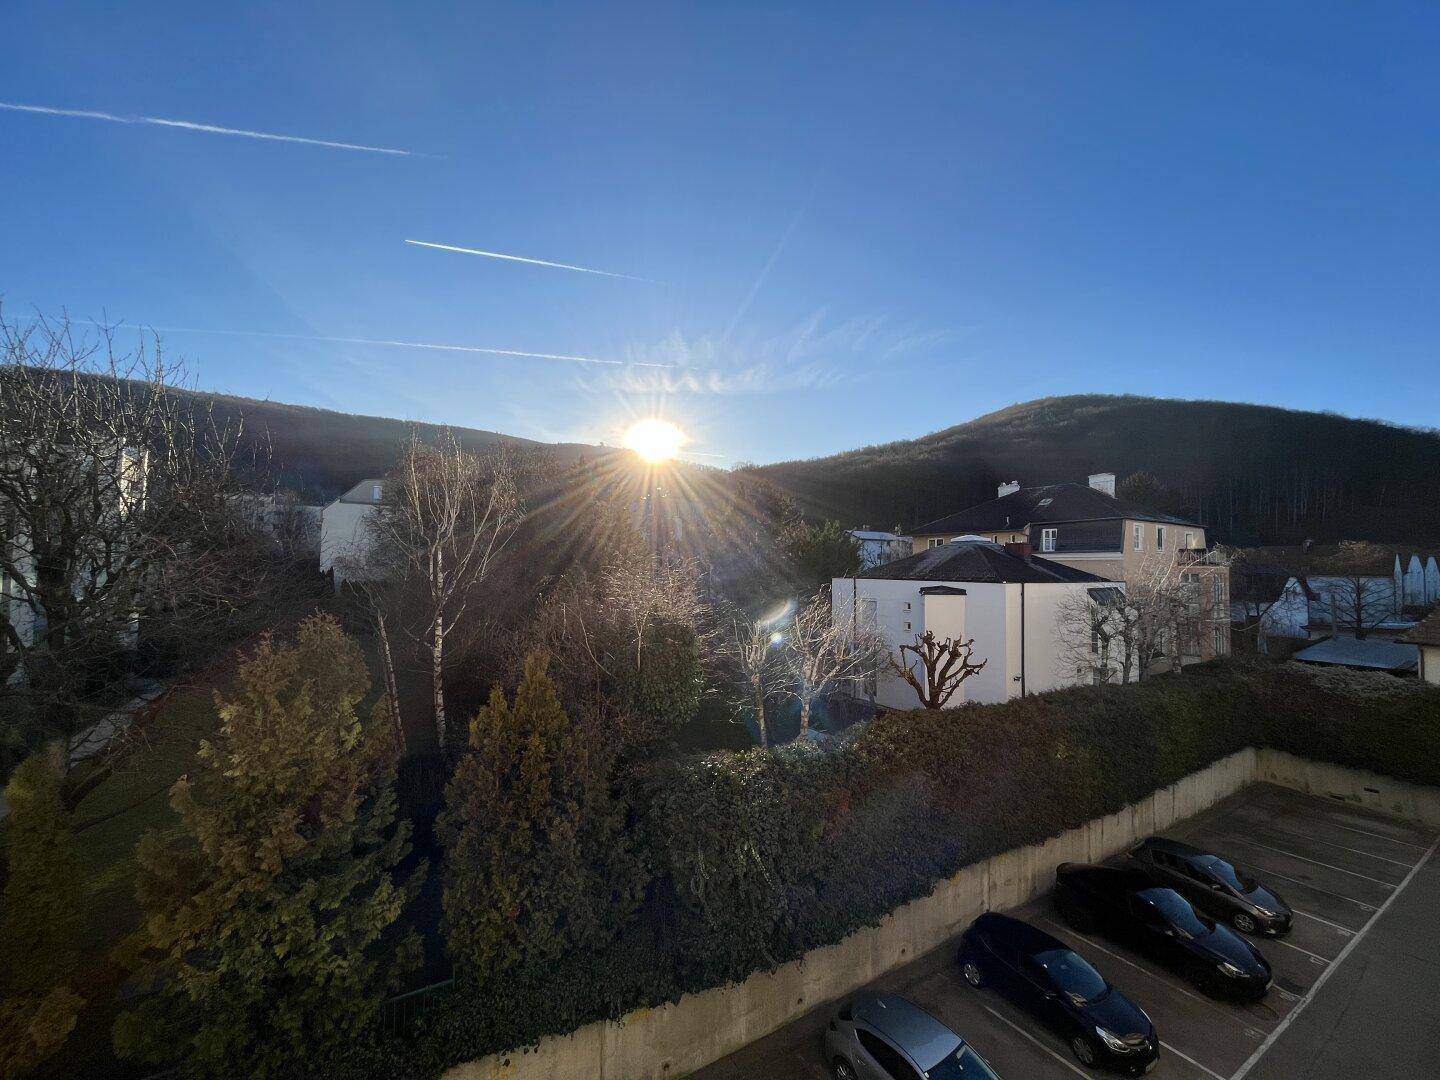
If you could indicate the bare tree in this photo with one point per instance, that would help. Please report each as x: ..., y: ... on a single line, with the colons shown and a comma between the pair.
x: 1098, y: 633
x: 748, y: 649
x: 1356, y: 588
x: 820, y: 652
x: 935, y: 667
x: 445, y: 515
x: 115, y: 517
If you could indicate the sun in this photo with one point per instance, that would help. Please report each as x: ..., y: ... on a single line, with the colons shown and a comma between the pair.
x: 655, y: 440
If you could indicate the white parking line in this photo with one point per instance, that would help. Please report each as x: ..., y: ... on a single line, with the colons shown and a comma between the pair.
x: 1316, y: 888
x: 1146, y: 971
x: 1333, y: 925
x: 1192, y: 1061
x: 1342, y: 847
x: 1021, y: 1031
x: 1378, y: 836
x: 1317, y: 862
x: 1313, y: 956
x: 1349, y: 946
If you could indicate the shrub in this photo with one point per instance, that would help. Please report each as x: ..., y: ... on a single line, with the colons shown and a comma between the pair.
x: 266, y: 923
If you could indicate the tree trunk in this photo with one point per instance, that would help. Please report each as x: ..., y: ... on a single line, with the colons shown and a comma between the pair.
x: 387, y: 673
x: 437, y: 675
x: 804, y: 715
x: 760, y: 714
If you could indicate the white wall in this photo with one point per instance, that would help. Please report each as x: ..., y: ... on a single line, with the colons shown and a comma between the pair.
x: 342, y: 534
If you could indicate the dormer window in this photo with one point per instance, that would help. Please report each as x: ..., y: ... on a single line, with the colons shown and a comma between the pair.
x: 1047, y: 539
x: 1159, y: 537
x: 1044, y: 502
x: 375, y: 492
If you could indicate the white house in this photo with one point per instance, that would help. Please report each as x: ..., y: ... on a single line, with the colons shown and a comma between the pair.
x: 1375, y: 595
x: 344, y: 531
x: 1003, y: 597
x: 880, y: 547
x: 1426, y: 639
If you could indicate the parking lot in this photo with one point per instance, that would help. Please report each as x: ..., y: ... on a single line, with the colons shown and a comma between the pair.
x: 1357, y: 981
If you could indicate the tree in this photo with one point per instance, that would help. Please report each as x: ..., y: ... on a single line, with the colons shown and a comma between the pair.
x: 822, y: 552
x: 447, y: 513
x: 935, y: 667
x: 820, y: 652
x: 267, y: 923
x: 1357, y: 587
x: 537, y: 860
x: 748, y: 651
x: 1145, y: 489
x: 39, y: 919
x: 114, y: 519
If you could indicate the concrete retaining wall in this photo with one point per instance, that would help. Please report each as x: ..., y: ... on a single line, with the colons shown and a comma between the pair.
x: 1413, y: 802
x: 673, y: 1040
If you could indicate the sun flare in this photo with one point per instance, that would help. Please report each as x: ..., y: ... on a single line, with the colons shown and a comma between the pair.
x: 655, y: 440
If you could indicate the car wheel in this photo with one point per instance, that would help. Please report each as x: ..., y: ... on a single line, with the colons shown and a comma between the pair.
x: 840, y: 1069
x: 1076, y: 918
x: 1207, y: 981
x: 1245, y: 922
x: 973, y: 975
x: 1084, y: 1051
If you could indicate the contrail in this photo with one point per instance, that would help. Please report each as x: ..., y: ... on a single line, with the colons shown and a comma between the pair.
x: 368, y: 341
x: 532, y: 262
x: 191, y: 125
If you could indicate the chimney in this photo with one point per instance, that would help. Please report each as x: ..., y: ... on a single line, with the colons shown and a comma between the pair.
x: 1019, y: 548
x: 1007, y: 488
x: 1103, y: 481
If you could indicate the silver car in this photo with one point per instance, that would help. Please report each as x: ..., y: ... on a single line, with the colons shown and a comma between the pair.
x: 880, y: 1036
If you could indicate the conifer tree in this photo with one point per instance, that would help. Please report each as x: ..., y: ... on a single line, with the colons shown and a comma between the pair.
x: 39, y: 919
x: 536, y: 857
x: 268, y: 922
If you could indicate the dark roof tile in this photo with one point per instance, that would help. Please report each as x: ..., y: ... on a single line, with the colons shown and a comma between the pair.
x: 1029, y: 506
x: 977, y: 561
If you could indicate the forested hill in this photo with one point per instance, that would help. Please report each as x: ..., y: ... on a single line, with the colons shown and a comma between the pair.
x: 1253, y: 474
x: 320, y: 453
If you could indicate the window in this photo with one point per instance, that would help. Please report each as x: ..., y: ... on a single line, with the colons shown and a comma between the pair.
x: 1047, y: 539
x: 936, y: 541
x: 907, y: 626
x: 885, y: 1055
x: 1044, y: 502
x: 1189, y: 539
x: 1217, y: 586
x: 375, y: 493
x: 1220, y: 642
x: 867, y: 611
x: 1159, y: 537
x: 1138, y: 533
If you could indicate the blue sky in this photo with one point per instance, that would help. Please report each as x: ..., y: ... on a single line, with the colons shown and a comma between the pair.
x: 858, y: 223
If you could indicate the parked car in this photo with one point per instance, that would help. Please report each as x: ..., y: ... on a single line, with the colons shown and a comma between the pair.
x: 1214, y: 885
x: 1128, y: 906
x: 1062, y: 990
x: 879, y: 1036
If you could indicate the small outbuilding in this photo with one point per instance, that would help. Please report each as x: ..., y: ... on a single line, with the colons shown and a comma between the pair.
x: 1426, y: 637
x: 1370, y: 654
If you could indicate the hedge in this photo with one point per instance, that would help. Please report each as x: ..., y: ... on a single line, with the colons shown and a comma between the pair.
x: 760, y: 856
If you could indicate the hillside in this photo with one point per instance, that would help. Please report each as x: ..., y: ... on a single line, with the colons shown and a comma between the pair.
x: 1254, y: 474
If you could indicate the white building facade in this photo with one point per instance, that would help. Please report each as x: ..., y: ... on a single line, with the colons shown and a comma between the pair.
x: 344, y: 530
x: 1007, y: 601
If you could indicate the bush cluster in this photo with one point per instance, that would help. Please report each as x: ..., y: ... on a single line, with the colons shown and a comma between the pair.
x: 757, y: 857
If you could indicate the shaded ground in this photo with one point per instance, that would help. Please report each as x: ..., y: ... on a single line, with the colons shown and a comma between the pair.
x: 1356, y: 982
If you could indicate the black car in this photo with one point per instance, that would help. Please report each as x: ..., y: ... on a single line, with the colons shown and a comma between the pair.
x: 1047, y: 978
x: 1128, y: 906
x: 1214, y: 885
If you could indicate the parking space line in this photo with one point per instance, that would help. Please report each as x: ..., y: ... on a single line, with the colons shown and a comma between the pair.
x: 1146, y: 971
x: 1192, y: 1061
x: 1333, y: 925
x: 1297, y: 948
x: 1317, y: 862
x: 1025, y: 1034
x: 1378, y: 836
x: 1315, y: 989
x: 1342, y: 847
x: 1317, y: 888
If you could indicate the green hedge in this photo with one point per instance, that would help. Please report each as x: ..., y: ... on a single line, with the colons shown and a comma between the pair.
x: 758, y: 857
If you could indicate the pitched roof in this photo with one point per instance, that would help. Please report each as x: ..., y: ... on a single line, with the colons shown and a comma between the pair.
x: 1362, y: 653
x: 1053, y: 502
x: 977, y: 561
x: 1426, y: 632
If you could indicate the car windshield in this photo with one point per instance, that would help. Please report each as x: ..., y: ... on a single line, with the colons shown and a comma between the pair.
x: 1227, y: 873
x: 1176, y: 911
x: 964, y: 1064
x: 1072, y: 976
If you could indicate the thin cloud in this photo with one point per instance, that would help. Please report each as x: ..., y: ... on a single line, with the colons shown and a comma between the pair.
x: 532, y: 262
x: 811, y: 355
x: 191, y: 125
x: 373, y: 341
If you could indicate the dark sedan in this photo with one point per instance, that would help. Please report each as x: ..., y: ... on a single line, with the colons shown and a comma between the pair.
x: 1214, y: 885
x: 1059, y: 987
x: 1128, y: 906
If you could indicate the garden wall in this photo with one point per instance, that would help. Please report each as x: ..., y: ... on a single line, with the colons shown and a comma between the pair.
x: 673, y: 1040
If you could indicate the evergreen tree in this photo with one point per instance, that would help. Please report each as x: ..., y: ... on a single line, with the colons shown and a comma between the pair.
x: 821, y: 552
x: 537, y: 861
x: 268, y: 921
x: 39, y: 919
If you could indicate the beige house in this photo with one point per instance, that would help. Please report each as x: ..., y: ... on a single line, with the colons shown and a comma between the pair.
x: 1427, y: 637
x: 1085, y: 526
